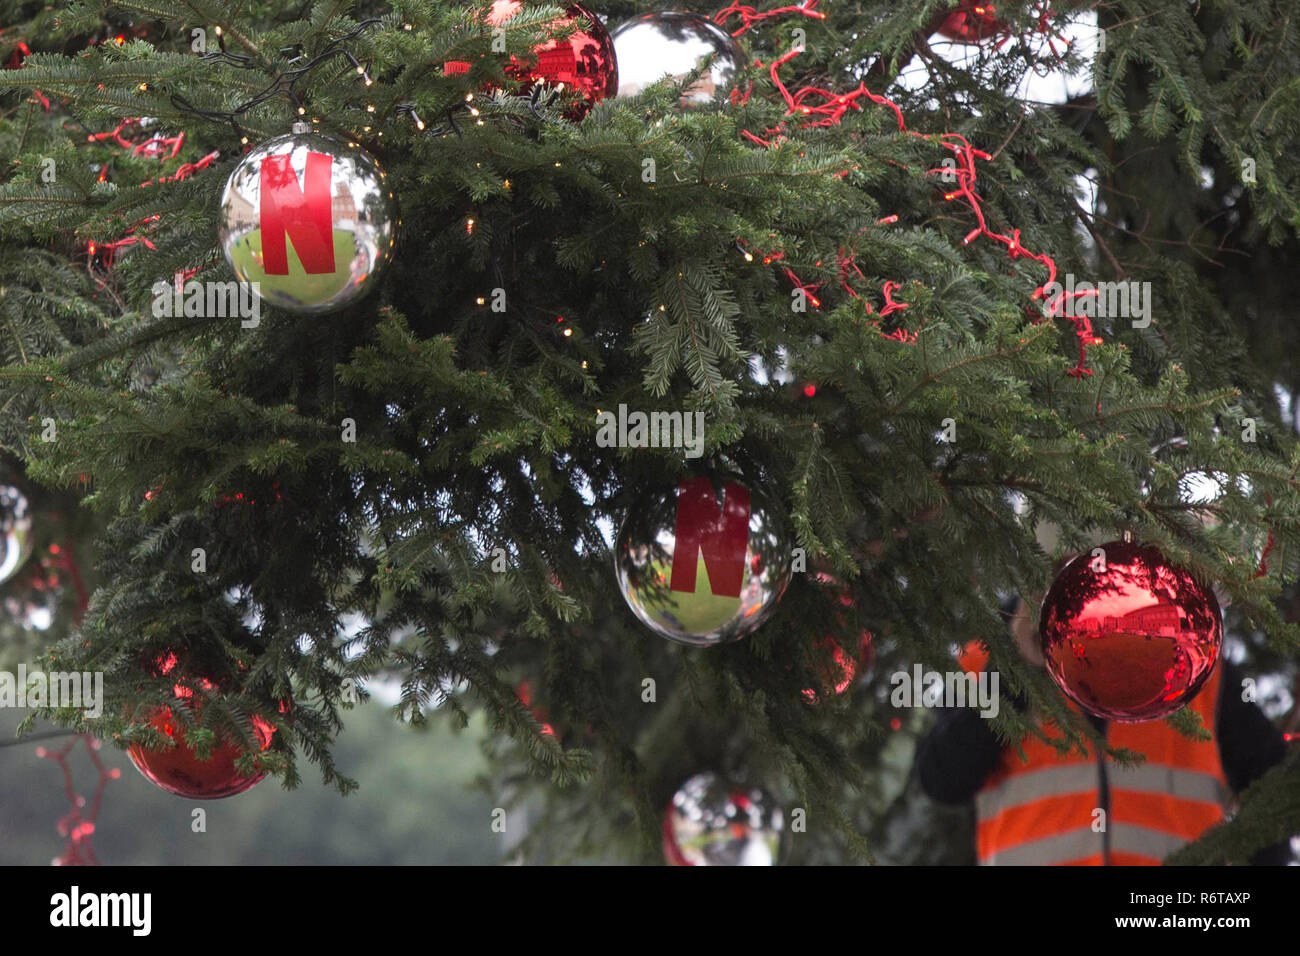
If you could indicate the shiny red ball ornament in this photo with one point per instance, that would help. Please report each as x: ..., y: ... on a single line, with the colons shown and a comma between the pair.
x: 178, y: 769
x: 583, y: 61
x: 835, y: 676
x: 524, y: 690
x: 973, y: 21
x: 1128, y: 636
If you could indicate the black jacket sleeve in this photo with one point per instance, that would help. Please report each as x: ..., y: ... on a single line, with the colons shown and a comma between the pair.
x: 1249, y: 745
x: 957, y: 756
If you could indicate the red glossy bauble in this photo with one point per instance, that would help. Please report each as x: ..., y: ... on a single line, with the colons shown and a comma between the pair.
x: 178, y: 769
x: 524, y: 690
x: 583, y: 61
x: 973, y: 22
x: 1126, y: 635
x: 834, y: 677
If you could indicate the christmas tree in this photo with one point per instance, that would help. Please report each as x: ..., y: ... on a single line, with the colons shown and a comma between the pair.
x: 929, y: 332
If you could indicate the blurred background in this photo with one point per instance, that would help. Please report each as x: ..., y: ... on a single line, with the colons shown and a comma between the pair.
x: 423, y: 800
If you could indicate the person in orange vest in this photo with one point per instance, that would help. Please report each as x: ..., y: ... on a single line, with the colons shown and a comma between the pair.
x: 1087, y: 810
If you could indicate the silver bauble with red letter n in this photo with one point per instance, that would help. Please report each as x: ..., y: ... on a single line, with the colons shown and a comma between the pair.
x: 308, y: 219
x: 704, y: 562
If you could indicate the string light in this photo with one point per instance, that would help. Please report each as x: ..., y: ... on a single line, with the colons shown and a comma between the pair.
x: 79, y: 827
x: 823, y: 108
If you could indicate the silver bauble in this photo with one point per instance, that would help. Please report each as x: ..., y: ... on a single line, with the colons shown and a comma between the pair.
x: 15, y: 531
x: 658, y: 45
x: 310, y: 219
x: 736, y: 570
x: 713, y: 823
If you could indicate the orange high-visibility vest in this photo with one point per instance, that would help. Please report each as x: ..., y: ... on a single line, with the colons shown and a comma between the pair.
x: 1043, y: 811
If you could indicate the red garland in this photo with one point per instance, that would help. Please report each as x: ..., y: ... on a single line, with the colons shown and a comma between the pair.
x: 824, y: 108
x: 164, y: 148
x: 79, y: 828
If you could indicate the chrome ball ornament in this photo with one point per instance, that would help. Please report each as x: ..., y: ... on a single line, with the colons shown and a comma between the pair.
x: 309, y: 220
x: 704, y: 562
x: 672, y: 45
x: 15, y: 531
x: 714, y: 823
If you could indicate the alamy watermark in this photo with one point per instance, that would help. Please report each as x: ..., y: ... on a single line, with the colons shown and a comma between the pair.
x: 74, y: 909
x: 951, y: 689
x: 218, y: 300
x: 652, y: 430
x: 1117, y: 300
x: 78, y: 690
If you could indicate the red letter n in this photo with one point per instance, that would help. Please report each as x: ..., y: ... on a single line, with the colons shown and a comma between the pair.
x: 721, y: 534
x: 303, y: 214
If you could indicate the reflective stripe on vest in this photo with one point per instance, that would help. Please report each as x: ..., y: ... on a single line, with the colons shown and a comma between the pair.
x: 1140, y: 845
x: 1167, y: 781
x: 1042, y: 810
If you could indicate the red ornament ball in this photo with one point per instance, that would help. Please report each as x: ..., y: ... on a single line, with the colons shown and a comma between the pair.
x: 178, y: 769
x: 973, y: 22
x: 835, y: 676
x: 1128, y: 636
x: 583, y: 61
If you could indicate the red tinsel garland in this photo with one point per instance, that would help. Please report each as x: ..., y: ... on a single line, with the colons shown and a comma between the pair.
x: 821, y: 107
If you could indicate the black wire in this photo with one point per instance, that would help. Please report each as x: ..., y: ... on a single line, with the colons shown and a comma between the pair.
x: 44, y: 735
x: 283, y: 82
